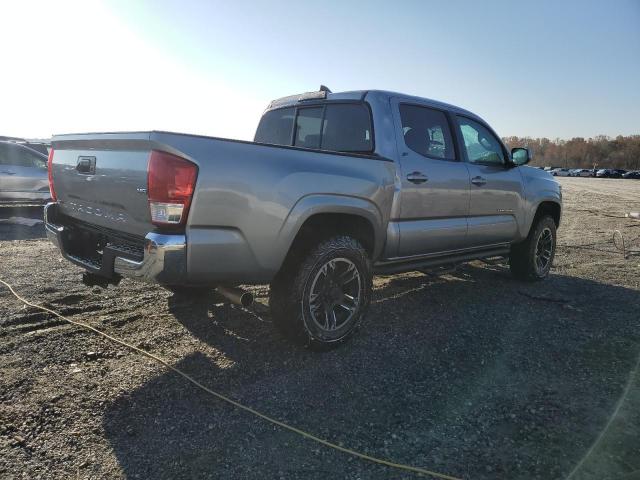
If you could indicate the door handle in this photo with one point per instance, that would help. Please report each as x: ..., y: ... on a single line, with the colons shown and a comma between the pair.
x: 479, y: 181
x: 417, y: 177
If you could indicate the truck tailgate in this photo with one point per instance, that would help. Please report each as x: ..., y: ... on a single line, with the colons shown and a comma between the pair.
x: 101, y: 179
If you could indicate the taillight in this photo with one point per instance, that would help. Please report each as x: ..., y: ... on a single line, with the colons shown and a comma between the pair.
x: 52, y: 190
x: 170, y: 184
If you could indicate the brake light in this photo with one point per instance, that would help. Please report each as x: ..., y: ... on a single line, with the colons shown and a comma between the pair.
x: 170, y: 184
x: 52, y: 191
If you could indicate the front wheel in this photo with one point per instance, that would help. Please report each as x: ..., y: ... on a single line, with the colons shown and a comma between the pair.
x: 319, y: 299
x: 532, y: 259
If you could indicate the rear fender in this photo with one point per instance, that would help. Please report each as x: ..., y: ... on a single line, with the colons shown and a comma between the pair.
x: 315, y: 204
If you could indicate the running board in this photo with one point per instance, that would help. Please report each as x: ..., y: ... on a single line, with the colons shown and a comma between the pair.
x: 384, y: 268
x: 438, y: 271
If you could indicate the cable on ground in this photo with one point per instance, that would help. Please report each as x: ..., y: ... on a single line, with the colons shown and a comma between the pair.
x: 219, y: 396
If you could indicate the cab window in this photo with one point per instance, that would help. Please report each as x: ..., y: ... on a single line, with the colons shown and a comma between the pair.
x: 426, y: 131
x: 276, y: 127
x: 347, y: 128
x: 481, y: 145
x: 308, y: 127
x: 336, y: 127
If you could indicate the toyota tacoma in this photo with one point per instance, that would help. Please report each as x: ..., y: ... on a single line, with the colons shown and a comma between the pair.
x: 335, y: 187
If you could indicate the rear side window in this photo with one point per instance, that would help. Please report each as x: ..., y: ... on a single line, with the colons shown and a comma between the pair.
x: 347, y: 128
x: 339, y: 127
x: 426, y: 131
x: 276, y: 127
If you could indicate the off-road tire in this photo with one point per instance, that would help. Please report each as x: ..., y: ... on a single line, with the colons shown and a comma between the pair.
x: 524, y: 255
x: 289, y: 297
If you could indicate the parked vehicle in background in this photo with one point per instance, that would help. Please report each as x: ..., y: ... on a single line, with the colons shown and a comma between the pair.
x: 37, y: 145
x: 314, y: 206
x: 633, y: 174
x: 582, y: 172
x: 23, y: 174
x: 610, y: 173
x: 560, y: 172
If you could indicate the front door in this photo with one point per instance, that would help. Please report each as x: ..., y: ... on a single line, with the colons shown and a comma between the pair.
x: 496, y: 194
x: 434, y: 198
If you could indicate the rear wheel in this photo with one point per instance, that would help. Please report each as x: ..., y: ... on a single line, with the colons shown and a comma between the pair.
x: 320, y: 296
x: 532, y: 259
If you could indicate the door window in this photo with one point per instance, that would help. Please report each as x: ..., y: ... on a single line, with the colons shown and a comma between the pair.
x: 426, y: 131
x: 20, y: 157
x: 30, y: 159
x: 347, y: 128
x: 481, y: 145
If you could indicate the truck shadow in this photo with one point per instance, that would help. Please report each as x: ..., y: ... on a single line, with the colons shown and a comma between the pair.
x: 473, y: 374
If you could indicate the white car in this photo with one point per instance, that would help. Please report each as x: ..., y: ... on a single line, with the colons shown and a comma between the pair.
x: 560, y: 172
x: 583, y: 172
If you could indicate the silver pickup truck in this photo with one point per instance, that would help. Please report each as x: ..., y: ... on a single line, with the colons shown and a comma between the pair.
x: 335, y: 188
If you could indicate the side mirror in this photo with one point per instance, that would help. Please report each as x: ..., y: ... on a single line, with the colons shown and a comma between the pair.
x: 521, y: 156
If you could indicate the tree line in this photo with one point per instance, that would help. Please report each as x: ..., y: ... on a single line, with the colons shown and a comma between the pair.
x: 597, y: 152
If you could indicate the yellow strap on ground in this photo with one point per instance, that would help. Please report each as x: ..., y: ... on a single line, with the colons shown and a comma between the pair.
x: 363, y: 456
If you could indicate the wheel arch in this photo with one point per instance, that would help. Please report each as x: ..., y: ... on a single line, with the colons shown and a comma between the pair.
x: 547, y: 205
x: 551, y: 208
x: 319, y: 216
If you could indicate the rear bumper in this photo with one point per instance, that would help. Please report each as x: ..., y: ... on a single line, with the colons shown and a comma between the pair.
x: 163, y: 258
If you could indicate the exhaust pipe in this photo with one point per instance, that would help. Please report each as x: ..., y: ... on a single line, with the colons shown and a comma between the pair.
x: 236, y: 295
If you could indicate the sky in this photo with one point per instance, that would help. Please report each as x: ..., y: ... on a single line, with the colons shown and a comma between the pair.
x: 559, y: 69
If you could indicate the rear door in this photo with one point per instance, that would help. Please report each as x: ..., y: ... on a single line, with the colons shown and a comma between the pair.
x: 434, y: 198
x: 496, y: 194
x: 22, y: 172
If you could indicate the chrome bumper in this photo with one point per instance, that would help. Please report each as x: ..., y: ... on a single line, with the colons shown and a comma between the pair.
x: 164, y: 258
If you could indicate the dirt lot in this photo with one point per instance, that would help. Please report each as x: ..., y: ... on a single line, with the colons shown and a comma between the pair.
x: 472, y: 374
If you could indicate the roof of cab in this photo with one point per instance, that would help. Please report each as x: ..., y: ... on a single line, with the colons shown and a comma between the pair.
x: 303, y: 98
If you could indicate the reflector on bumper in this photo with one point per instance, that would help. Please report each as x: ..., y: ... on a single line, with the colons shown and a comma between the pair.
x: 168, y: 213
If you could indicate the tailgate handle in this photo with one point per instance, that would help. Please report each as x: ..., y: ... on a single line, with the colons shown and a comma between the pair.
x: 86, y: 165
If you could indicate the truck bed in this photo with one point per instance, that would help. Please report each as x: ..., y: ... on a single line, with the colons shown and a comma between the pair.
x: 248, y: 198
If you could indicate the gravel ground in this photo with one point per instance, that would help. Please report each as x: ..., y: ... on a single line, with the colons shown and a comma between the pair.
x: 472, y: 374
